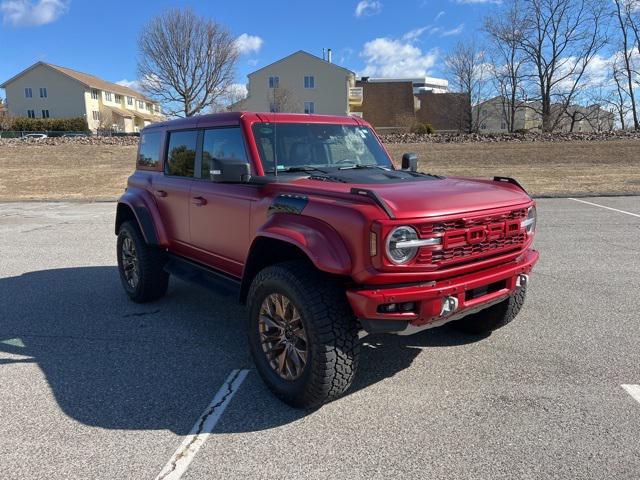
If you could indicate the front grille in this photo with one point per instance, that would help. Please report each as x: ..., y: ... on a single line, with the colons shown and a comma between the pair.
x: 440, y: 257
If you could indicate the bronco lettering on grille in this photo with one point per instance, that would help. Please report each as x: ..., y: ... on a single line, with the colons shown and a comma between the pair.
x: 481, y: 233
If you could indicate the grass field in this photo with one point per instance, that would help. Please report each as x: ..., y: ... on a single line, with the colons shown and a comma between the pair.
x: 90, y: 173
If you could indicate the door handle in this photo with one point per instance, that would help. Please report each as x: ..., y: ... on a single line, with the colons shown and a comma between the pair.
x: 161, y: 193
x: 199, y: 201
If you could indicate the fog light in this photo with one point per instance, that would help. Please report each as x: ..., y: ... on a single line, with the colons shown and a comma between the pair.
x: 407, y: 306
x: 449, y: 305
x: 388, y: 308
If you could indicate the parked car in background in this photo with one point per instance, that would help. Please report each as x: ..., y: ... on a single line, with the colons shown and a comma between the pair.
x: 75, y: 135
x: 37, y: 136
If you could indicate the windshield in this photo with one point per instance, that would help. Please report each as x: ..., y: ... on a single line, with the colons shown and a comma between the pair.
x: 317, y: 145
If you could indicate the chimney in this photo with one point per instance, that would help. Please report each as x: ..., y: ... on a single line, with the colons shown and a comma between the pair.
x: 324, y: 55
x: 329, y: 55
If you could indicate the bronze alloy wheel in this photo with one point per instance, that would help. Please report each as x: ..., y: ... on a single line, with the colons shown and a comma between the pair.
x: 282, y: 336
x: 130, y: 262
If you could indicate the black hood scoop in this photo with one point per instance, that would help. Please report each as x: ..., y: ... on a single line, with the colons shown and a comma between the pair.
x: 372, y: 176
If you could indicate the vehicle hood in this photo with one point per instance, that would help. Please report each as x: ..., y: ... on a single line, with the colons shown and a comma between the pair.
x: 434, y: 197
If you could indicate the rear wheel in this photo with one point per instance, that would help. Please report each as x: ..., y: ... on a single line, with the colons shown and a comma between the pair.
x: 493, y: 317
x: 302, y: 334
x: 141, y: 266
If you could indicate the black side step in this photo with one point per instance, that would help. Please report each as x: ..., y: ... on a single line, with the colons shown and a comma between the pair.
x: 202, y: 275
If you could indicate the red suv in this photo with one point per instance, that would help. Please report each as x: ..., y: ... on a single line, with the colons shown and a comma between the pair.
x: 323, y: 237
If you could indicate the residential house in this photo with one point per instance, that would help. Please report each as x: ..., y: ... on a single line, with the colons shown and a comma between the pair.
x: 493, y: 116
x: 49, y: 91
x: 302, y: 83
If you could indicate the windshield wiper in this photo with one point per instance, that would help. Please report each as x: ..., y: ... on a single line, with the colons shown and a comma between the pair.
x: 301, y: 168
x: 362, y: 165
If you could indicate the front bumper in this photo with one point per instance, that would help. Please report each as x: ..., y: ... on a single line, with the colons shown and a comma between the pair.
x: 472, y: 292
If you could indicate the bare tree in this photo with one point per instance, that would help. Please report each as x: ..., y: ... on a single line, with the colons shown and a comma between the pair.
x: 508, y: 58
x: 561, y: 38
x: 467, y: 68
x: 283, y: 100
x: 185, y: 61
x: 623, y: 14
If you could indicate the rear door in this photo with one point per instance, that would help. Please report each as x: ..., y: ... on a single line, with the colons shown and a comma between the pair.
x: 219, y: 213
x: 173, y: 188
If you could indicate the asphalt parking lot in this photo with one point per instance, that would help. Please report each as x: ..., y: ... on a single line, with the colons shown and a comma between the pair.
x: 94, y: 386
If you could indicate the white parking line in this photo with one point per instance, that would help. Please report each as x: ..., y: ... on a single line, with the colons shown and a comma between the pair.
x: 602, y: 206
x: 201, y: 430
x: 633, y: 390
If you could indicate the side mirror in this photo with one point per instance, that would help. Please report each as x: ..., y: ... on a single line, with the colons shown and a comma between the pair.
x: 410, y: 161
x: 230, y: 171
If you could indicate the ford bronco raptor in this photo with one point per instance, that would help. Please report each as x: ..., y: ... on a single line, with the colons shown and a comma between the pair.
x: 323, y: 237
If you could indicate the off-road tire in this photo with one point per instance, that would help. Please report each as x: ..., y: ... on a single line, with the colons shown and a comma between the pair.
x: 153, y: 280
x: 492, y: 318
x: 331, y: 329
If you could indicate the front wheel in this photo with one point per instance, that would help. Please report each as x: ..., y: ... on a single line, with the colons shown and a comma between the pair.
x: 302, y: 334
x: 494, y: 317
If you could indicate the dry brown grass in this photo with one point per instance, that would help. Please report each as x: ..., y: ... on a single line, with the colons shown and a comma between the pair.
x: 545, y: 169
x: 99, y: 172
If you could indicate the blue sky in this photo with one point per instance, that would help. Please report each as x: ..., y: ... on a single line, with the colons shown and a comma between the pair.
x: 374, y: 37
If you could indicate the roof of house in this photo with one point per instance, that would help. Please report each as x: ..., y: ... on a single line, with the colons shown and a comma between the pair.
x: 90, y: 81
x: 304, y: 53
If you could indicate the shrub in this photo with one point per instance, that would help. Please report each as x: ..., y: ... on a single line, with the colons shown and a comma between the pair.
x: 422, y: 129
x: 77, y: 124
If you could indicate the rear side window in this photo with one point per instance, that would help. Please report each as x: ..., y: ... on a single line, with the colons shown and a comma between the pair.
x: 149, y: 151
x: 221, y: 144
x: 181, y: 154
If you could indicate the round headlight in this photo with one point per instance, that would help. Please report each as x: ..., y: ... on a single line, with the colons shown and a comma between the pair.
x: 397, y: 253
x: 530, y: 223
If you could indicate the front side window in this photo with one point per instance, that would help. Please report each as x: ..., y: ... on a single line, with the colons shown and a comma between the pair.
x: 309, y: 81
x: 274, y: 82
x: 43, y: 92
x: 309, y: 107
x: 181, y: 154
x: 28, y: 93
x: 317, y: 145
x: 221, y: 144
x: 149, y: 151
x: 45, y: 113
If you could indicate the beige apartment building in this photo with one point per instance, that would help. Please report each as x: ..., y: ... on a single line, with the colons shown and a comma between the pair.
x: 49, y: 91
x: 302, y: 83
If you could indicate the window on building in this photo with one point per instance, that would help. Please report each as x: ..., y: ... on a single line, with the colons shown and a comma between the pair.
x: 181, y: 154
x: 118, y: 98
x: 95, y: 115
x: 149, y: 107
x: 221, y: 144
x: 274, y: 82
x: 95, y: 95
x: 31, y: 113
x: 309, y: 107
x: 140, y: 105
x: 129, y: 100
x: 28, y: 93
x: 45, y: 113
x: 149, y: 151
x: 309, y: 81
x: 43, y: 92
x: 108, y: 97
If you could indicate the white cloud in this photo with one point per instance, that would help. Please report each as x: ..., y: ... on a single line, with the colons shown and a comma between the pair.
x: 368, y: 7
x: 134, y: 84
x: 252, y: 62
x: 438, y: 16
x: 26, y: 13
x: 387, y: 57
x: 453, y: 31
x: 414, y: 34
x: 246, y: 43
